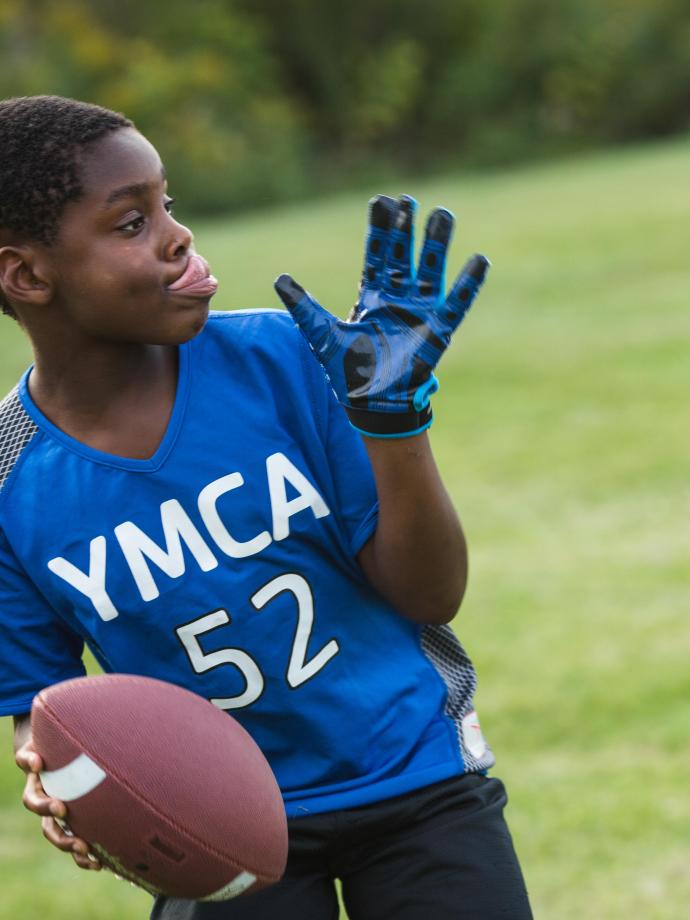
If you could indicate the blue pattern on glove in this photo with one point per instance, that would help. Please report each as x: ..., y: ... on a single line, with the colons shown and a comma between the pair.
x: 380, y: 361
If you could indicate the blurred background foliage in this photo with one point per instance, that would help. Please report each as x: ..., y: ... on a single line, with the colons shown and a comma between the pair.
x: 256, y: 101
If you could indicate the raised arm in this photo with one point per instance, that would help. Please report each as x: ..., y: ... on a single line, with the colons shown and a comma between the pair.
x: 417, y: 558
x: 380, y: 363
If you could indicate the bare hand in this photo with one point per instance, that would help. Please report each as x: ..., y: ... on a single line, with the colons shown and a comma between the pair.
x: 52, y: 811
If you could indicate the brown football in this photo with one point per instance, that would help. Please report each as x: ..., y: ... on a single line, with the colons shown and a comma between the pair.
x: 171, y: 792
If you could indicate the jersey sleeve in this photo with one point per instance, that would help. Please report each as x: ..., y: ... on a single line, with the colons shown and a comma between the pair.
x: 351, y: 472
x: 37, y: 648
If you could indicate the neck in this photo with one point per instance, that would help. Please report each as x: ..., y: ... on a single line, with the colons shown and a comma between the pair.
x: 87, y: 383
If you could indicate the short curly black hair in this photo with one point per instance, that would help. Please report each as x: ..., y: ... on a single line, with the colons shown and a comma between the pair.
x: 40, y: 141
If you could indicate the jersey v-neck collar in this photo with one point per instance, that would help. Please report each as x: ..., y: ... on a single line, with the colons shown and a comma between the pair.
x: 98, y: 456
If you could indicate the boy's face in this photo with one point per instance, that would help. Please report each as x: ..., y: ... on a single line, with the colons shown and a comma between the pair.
x: 119, y: 249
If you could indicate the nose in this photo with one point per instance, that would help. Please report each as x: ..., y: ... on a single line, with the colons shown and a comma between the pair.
x: 179, y: 240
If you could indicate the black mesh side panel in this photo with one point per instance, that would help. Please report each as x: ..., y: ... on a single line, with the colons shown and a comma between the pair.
x: 16, y: 430
x: 449, y: 658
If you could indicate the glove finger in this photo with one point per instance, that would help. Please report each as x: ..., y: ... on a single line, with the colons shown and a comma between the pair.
x: 316, y: 323
x: 465, y: 289
x: 382, y: 210
x: 432, y: 262
x: 397, y: 273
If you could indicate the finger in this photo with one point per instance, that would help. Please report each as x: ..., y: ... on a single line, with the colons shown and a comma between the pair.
x: 465, y: 289
x: 36, y: 800
x: 57, y: 835
x: 60, y: 836
x: 316, y: 323
x: 28, y: 760
x: 88, y: 862
x: 382, y: 210
x: 82, y: 853
x: 84, y: 857
x: 397, y: 273
x: 432, y: 262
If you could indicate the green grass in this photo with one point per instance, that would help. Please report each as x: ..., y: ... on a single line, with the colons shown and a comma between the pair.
x: 562, y: 431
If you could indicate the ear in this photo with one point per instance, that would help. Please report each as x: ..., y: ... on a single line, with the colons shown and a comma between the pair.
x: 21, y: 278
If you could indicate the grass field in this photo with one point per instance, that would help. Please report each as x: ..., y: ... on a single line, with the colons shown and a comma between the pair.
x: 562, y: 431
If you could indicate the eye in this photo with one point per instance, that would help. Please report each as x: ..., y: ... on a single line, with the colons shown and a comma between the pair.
x: 131, y: 226
x: 168, y: 205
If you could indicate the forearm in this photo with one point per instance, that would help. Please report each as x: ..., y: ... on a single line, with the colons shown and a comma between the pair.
x: 417, y: 558
x: 22, y: 731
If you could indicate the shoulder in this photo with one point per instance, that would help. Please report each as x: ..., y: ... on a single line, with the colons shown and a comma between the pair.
x: 252, y: 338
x: 263, y: 355
x: 17, y: 429
x: 247, y: 325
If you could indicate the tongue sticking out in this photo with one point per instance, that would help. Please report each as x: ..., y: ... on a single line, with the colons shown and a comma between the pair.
x: 195, y: 276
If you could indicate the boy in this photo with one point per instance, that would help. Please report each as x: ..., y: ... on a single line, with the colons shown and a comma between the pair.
x: 185, y: 495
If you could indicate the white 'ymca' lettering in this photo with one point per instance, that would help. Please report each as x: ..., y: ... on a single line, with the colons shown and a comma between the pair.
x: 140, y: 551
x: 177, y: 526
x: 280, y: 471
x: 93, y: 584
x: 208, y: 498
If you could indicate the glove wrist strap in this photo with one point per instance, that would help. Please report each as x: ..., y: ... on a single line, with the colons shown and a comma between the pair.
x: 389, y: 424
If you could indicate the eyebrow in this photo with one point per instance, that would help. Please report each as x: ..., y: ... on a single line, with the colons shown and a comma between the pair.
x: 131, y: 191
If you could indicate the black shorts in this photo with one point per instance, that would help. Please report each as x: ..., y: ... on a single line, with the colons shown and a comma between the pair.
x: 440, y: 853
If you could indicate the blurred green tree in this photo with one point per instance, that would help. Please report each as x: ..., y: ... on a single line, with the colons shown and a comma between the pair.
x: 194, y: 77
x: 251, y: 101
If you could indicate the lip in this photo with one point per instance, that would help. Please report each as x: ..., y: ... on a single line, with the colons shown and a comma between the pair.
x: 196, y: 279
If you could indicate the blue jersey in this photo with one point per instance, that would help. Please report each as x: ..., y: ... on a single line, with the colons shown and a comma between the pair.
x: 226, y: 563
